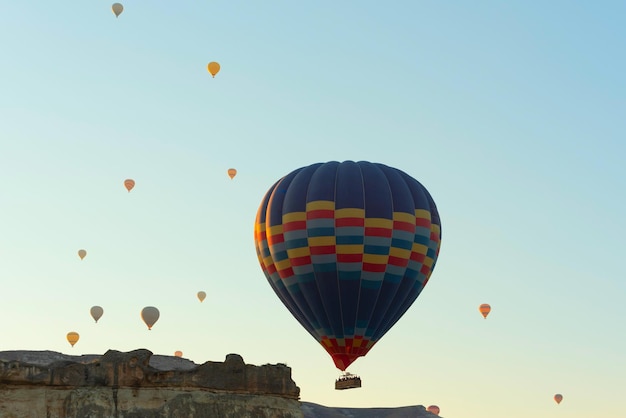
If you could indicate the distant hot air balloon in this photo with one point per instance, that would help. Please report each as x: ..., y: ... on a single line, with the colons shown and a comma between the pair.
x: 72, y: 337
x: 150, y: 315
x: 129, y: 184
x: 117, y: 9
x: 558, y: 398
x: 347, y: 247
x: 433, y: 409
x: 82, y: 254
x: 96, y: 312
x: 232, y: 173
x: 201, y: 296
x: 213, y: 68
x: 484, y: 309
x: 178, y: 353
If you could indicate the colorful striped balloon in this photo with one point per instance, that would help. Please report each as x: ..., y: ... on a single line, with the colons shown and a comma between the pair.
x: 347, y: 247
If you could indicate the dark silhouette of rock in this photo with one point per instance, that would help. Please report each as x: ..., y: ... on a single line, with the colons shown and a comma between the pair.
x: 312, y: 410
x: 123, y: 385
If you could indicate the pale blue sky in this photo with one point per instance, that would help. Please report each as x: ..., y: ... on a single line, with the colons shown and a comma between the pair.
x: 512, y: 114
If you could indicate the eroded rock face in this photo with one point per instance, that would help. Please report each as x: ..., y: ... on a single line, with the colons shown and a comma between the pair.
x: 124, y: 385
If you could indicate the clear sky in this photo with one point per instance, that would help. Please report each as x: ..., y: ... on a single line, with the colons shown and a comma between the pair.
x: 512, y: 114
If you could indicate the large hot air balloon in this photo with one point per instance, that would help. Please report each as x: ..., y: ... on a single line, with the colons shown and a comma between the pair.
x: 72, y: 337
x: 484, y: 309
x: 213, y: 68
x: 178, y: 353
x: 150, y: 315
x: 117, y: 9
x: 201, y: 296
x: 96, y: 312
x: 82, y: 254
x: 558, y: 398
x: 129, y: 184
x: 347, y: 247
x: 434, y: 409
x: 232, y: 173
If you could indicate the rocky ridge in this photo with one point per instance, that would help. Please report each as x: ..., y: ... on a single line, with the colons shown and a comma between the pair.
x: 137, y: 384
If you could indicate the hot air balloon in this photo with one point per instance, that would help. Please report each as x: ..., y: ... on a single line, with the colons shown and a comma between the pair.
x: 72, y: 337
x: 484, y: 309
x: 434, y: 409
x: 96, y: 312
x: 201, y: 296
x: 82, y: 254
x: 117, y: 9
x: 150, y: 315
x: 558, y: 398
x: 213, y: 68
x: 347, y: 247
x: 178, y: 353
x: 232, y: 173
x: 129, y: 184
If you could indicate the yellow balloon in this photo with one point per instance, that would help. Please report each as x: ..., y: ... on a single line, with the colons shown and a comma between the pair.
x: 117, y: 9
x: 72, y: 337
x: 232, y: 173
x: 150, y: 315
x: 178, y: 353
x: 213, y: 68
x: 129, y: 184
x: 484, y: 309
x: 201, y: 296
x: 82, y: 254
x: 96, y: 312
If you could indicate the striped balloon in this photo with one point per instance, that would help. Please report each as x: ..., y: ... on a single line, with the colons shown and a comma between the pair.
x: 347, y: 247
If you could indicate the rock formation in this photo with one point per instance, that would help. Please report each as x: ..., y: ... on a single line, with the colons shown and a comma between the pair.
x: 138, y: 385
x: 312, y: 410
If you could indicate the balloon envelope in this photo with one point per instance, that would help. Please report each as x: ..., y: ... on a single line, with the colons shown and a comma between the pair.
x: 201, y: 296
x: 96, y: 312
x: 347, y: 247
x: 484, y: 309
x: 433, y: 409
x: 72, y: 337
x: 117, y: 9
x: 150, y: 315
x: 178, y: 353
x: 129, y: 184
x: 213, y: 68
x: 82, y: 254
x: 558, y: 398
x: 232, y: 173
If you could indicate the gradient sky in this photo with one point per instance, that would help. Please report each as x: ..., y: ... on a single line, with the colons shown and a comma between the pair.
x: 512, y: 114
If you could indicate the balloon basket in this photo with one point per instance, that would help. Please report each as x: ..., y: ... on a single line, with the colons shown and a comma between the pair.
x: 348, y: 381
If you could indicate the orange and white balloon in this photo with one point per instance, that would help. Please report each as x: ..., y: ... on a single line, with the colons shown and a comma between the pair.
x: 129, y: 184
x: 484, y: 309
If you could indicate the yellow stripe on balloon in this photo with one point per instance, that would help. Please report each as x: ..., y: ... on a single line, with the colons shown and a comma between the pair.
x: 321, y: 241
x: 320, y: 205
x: 349, y: 213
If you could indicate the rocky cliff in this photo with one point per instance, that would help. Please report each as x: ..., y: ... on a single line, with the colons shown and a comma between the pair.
x: 139, y: 385
x: 313, y: 410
